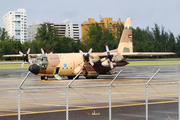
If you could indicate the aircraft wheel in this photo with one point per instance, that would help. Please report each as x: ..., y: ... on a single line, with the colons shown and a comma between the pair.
x: 88, y: 77
x: 44, y: 77
x: 71, y: 77
x: 94, y: 77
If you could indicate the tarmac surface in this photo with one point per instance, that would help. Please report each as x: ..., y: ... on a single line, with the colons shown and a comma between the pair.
x: 89, y: 98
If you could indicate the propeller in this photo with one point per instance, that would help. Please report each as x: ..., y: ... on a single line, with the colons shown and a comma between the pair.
x: 42, y: 51
x: 110, y: 57
x: 25, y: 57
x: 86, y: 57
x: 77, y: 70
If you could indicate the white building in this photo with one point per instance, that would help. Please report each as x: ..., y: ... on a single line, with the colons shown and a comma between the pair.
x: 72, y: 30
x: 15, y: 23
x: 64, y: 29
x: 67, y: 29
x: 32, y: 30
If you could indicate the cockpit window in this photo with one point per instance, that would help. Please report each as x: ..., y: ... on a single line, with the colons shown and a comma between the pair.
x: 38, y: 58
x: 44, y: 59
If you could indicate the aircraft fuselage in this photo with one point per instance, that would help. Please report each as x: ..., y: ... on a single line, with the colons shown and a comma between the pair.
x: 46, y: 64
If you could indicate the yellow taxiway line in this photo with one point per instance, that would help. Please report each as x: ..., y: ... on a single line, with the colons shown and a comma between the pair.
x: 89, y: 108
x: 86, y: 100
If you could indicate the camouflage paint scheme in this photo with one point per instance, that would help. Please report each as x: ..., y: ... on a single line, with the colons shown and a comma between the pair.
x: 69, y: 64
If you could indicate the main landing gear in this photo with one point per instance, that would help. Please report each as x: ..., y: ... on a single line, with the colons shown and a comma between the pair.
x: 91, y: 77
x: 44, y: 77
x: 71, y: 77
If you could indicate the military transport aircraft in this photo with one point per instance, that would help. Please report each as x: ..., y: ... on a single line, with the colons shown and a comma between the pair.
x: 91, y: 64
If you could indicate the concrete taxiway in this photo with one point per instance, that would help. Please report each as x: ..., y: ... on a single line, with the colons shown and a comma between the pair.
x: 89, y: 98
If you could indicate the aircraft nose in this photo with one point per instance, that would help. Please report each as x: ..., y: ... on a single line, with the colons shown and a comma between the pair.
x: 34, y: 68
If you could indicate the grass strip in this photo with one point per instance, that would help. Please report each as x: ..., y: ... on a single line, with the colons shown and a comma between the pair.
x: 13, y: 66
x: 131, y: 63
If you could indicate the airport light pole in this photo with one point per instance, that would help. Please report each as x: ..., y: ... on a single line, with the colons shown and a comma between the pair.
x: 147, y: 92
x: 19, y: 96
x: 110, y: 113
x: 179, y: 100
x: 67, y: 95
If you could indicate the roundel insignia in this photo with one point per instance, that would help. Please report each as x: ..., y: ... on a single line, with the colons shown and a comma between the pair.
x: 65, y: 64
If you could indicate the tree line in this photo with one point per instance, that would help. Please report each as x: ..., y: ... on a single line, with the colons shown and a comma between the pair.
x: 144, y: 40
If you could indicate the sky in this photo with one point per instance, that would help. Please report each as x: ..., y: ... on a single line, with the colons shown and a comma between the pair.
x: 144, y: 13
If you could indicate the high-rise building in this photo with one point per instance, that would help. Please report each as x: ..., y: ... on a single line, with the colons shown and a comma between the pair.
x: 72, y: 30
x: 64, y: 29
x: 32, y: 30
x: 15, y: 23
x: 67, y: 29
x: 106, y: 22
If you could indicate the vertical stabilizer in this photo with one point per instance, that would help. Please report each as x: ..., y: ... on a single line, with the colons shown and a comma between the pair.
x: 126, y: 42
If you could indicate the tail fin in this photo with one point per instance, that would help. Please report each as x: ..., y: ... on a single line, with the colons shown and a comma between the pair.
x: 126, y: 42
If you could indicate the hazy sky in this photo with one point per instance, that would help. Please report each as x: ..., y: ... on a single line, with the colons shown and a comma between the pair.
x: 143, y: 12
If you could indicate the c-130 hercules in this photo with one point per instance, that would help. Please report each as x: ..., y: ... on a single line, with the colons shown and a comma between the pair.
x: 91, y: 64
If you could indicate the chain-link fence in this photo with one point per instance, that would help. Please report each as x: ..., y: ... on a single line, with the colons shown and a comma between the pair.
x: 88, y: 99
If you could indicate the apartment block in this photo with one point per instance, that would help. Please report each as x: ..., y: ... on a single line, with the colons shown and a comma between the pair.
x: 67, y: 29
x: 15, y: 23
x: 64, y: 29
x: 106, y: 22
x: 32, y: 30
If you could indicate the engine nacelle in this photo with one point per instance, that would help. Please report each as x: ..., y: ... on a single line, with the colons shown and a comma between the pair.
x: 117, y: 59
x: 94, y: 58
x: 121, y: 63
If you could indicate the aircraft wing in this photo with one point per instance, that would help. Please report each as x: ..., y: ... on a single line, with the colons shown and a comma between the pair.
x: 17, y: 55
x: 135, y: 54
x: 100, y: 54
x: 146, y: 54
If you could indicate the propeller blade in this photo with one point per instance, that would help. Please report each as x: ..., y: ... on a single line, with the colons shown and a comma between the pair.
x: 82, y: 64
x: 103, y: 59
x: 107, y: 49
x: 42, y: 51
x: 28, y: 51
x: 21, y: 53
x: 81, y: 52
x: 30, y: 61
x: 22, y: 65
x: 86, y: 57
x: 111, y: 65
x: 90, y: 50
x: 91, y: 62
